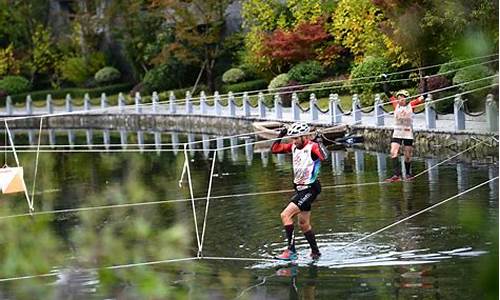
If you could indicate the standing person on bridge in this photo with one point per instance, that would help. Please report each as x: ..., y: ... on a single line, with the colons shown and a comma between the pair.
x: 306, y: 158
x: 403, y: 128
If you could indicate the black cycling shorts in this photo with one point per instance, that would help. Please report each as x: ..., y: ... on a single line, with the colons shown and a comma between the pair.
x: 405, y: 142
x: 304, y: 198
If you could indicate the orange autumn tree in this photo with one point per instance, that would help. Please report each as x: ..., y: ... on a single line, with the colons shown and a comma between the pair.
x: 307, y: 41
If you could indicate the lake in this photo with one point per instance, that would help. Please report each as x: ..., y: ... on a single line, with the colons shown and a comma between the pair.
x: 108, y: 224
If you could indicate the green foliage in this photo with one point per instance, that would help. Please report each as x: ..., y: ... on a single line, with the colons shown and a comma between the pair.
x: 9, y: 65
x: 307, y: 72
x: 14, y: 84
x: 107, y: 75
x: 245, y: 86
x: 355, y: 25
x: 74, y: 92
x: 156, y: 79
x: 79, y: 69
x: 464, y: 76
x: 45, y: 55
x: 233, y: 75
x: 279, y: 81
x: 369, y: 67
x: 449, y: 69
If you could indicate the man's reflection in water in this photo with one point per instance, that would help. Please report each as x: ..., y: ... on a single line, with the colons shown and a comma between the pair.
x: 296, y: 291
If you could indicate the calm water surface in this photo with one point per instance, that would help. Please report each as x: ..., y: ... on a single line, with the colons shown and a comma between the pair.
x: 450, y: 252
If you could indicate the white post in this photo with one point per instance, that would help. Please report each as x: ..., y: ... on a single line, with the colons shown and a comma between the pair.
x: 171, y: 100
x: 491, y: 113
x: 231, y: 104
x: 29, y: 105
x: 379, y: 112
x: 86, y: 102
x: 458, y: 112
x: 278, y: 110
x: 154, y: 100
x: 104, y: 101
x: 356, y: 112
x: 332, y: 105
x: 313, y: 110
x: 189, y: 104
x: 430, y: 113
x: 262, y: 107
x: 121, y: 103
x: 217, y: 105
x: 8, y: 105
x: 295, y: 107
x: 138, y: 107
x: 247, y: 111
x: 203, y: 103
x: 69, y: 106
x: 50, y: 108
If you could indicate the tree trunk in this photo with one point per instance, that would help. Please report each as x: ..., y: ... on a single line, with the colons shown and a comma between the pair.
x: 210, y: 76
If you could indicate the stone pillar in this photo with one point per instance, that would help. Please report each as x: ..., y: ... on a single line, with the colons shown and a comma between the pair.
x: 234, y: 150
x: 217, y: 105
x: 189, y: 104
x: 430, y: 113
x: 157, y: 135
x: 105, y: 138
x: 69, y: 105
x: 278, y: 109
x: 123, y: 138
x: 379, y: 112
x: 203, y: 103
x: 175, y: 141
x: 295, y: 107
x: 121, y: 103
x: 312, y: 107
x: 491, y: 113
x: 458, y: 112
x: 231, y: 104
x: 140, y: 139
x: 247, y: 110
x: 29, y: 105
x: 249, y: 151
x: 71, y: 138
x: 356, y: 112
x: 50, y: 107
x: 52, y: 137
x: 220, y: 144
x: 86, y: 102
x: 138, y: 104
x: 154, y: 100
x: 335, y: 112
x: 262, y: 107
x: 172, y: 106
x: 90, y: 136
x: 104, y: 101
x: 338, y: 162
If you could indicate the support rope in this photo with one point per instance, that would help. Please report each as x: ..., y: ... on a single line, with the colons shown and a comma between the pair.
x: 200, y: 253
x: 416, y: 214
x: 186, y: 157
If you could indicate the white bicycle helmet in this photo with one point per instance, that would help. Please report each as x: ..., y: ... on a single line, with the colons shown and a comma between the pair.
x: 298, y: 128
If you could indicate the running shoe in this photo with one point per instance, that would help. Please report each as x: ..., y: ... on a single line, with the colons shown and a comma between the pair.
x: 394, y: 178
x: 409, y: 177
x: 315, y: 255
x: 287, y: 255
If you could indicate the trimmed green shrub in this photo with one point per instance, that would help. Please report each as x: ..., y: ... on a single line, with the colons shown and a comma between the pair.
x: 107, y: 75
x: 157, y: 79
x: 278, y: 82
x: 369, y: 67
x: 14, y: 84
x: 78, y: 70
x: 74, y: 92
x: 477, y: 98
x: 450, y: 68
x: 233, y: 75
x: 307, y: 72
x: 245, y: 86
